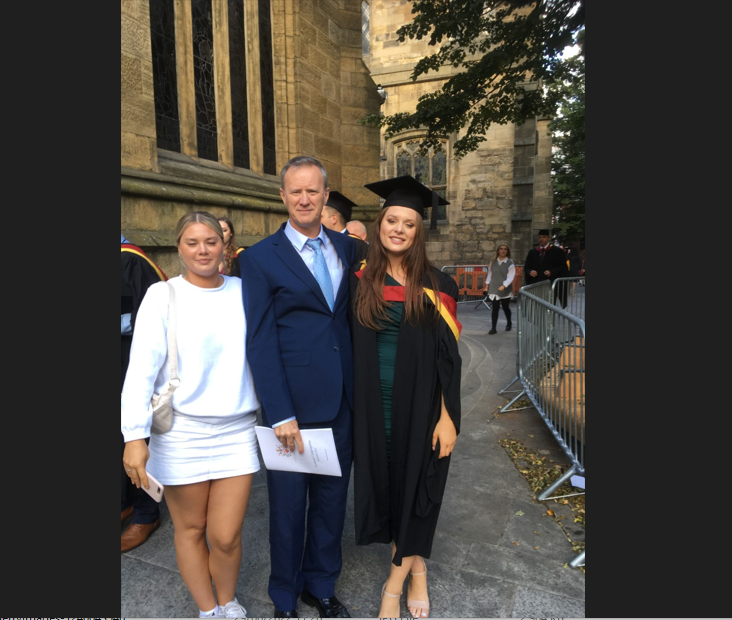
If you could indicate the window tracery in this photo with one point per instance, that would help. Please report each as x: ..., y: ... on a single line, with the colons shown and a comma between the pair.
x: 428, y: 168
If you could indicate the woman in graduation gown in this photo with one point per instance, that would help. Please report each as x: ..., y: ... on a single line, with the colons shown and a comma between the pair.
x: 406, y: 390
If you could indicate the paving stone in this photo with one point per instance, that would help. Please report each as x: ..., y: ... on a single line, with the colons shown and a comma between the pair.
x: 474, y: 571
x: 151, y: 591
x: 551, y: 540
x: 526, y: 567
x: 532, y: 603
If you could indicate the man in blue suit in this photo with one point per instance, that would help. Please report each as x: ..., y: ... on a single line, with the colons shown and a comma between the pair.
x: 295, y: 288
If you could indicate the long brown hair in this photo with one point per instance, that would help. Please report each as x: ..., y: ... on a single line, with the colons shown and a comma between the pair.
x: 369, y: 304
x: 500, y: 245
x: 229, y: 248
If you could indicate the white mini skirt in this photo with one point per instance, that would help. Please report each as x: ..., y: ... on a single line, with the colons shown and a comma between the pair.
x: 194, y: 450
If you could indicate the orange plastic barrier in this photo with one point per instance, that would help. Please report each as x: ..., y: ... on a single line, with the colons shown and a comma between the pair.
x: 471, y: 281
x: 518, y: 280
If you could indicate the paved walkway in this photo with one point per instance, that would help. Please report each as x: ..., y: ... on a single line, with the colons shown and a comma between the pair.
x: 477, y: 569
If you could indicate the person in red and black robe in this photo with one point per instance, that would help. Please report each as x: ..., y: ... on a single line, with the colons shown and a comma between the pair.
x: 406, y: 390
x: 336, y: 214
x: 138, y: 273
x: 546, y: 262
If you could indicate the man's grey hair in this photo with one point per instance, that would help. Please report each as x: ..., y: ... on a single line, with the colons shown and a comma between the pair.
x: 302, y: 160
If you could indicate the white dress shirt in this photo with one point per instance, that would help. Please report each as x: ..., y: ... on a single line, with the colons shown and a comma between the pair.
x: 332, y: 260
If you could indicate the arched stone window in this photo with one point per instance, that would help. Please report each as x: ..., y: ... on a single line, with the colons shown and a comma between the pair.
x: 365, y: 27
x: 429, y: 169
x: 211, y: 100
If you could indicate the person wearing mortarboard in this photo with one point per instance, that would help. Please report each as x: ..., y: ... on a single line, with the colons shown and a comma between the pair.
x: 336, y: 215
x: 406, y: 390
x: 546, y: 262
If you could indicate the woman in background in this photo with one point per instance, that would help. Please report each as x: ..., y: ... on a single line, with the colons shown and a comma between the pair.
x: 499, y: 285
x: 230, y: 264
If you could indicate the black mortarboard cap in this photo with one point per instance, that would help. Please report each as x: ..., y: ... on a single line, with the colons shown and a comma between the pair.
x: 406, y: 191
x: 544, y: 231
x: 341, y: 204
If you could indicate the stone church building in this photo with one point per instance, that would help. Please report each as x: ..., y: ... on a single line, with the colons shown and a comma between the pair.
x: 217, y: 95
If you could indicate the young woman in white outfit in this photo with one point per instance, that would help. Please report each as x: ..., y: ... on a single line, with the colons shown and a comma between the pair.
x: 207, y: 459
x: 499, y: 285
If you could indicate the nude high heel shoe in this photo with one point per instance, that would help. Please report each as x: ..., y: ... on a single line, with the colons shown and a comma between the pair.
x: 413, y: 602
x: 384, y: 592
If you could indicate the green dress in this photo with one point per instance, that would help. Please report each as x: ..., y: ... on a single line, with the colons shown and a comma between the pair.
x: 386, y: 340
x: 397, y: 498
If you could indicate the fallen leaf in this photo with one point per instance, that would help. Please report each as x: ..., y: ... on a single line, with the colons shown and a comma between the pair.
x: 531, y: 436
x: 516, y: 543
x: 550, y: 512
x: 537, y: 547
x: 537, y: 533
x: 519, y: 513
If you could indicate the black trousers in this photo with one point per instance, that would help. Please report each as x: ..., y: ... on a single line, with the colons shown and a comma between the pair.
x: 494, y: 311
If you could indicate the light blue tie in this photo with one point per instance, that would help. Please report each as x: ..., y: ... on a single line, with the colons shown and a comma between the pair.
x: 320, y: 270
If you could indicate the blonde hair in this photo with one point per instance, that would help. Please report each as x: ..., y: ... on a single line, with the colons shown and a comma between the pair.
x: 201, y: 217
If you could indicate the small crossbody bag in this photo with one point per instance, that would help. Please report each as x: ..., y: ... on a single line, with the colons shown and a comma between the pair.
x: 162, y: 406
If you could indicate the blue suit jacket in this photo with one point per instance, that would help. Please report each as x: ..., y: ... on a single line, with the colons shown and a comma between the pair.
x: 299, y: 350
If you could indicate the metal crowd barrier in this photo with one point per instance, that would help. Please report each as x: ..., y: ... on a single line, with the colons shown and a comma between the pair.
x: 550, y: 364
x: 571, y: 293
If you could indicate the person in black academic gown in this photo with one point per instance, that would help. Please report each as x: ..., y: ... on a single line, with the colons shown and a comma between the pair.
x: 336, y: 214
x: 546, y: 262
x: 406, y: 390
x: 138, y: 273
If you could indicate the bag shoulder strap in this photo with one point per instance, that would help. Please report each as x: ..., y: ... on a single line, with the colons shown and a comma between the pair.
x: 172, y: 345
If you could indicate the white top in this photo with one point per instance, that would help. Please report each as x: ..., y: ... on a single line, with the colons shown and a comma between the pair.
x: 215, y: 378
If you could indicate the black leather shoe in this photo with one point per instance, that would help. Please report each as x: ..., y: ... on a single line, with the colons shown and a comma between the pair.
x: 327, y: 607
x: 508, y: 328
x: 278, y: 613
x: 493, y: 331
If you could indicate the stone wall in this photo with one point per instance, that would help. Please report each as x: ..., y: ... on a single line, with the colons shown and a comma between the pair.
x: 138, y: 104
x: 500, y: 193
x: 322, y: 90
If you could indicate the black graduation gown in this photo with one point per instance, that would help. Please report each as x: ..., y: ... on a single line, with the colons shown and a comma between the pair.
x: 402, y: 502
x: 235, y: 265
x: 555, y: 260
x: 575, y: 264
x: 138, y: 273
x: 361, y: 249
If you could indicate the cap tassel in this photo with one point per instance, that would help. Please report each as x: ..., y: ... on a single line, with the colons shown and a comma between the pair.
x: 433, y: 218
